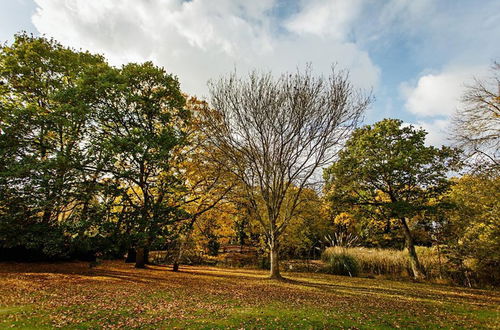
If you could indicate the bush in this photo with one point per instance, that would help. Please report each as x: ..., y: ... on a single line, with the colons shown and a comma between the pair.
x: 308, y: 266
x: 234, y: 259
x: 341, y: 264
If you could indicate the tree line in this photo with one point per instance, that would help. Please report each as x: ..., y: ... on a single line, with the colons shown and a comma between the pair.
x: 100, y: 160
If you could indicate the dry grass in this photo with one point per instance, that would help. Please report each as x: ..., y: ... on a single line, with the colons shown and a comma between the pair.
x: 115, y: 295
x: 390, y: 262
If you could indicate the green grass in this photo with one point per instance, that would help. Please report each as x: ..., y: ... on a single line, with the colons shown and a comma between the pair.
x: 72, y: 296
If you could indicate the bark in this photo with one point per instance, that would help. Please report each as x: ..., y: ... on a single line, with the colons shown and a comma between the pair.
x: 140, y: 259
x: 178, y: 257
x: 176, y: 263
x: 274, y: 261
x: 182, y: 244
x: 416, y: 268
x: 131, y: 254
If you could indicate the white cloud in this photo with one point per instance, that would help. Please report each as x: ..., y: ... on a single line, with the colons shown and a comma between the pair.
x: 409, y: 14
x: 438, y: 94
x: 438, y: 131
x: 436, y: 97
x: 332, y: 18
x: 433, y: 95
x: 199, y: 40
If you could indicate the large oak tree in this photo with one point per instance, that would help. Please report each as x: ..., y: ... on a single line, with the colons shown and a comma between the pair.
x: 141, y: 124
x: 386, y: 170
x: 45, y: 114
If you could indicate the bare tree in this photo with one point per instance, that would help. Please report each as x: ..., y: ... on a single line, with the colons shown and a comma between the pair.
x: 476, y: 126
x: 273, y: 134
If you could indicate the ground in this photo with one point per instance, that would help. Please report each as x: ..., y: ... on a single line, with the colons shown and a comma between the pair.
x: 114, y: 294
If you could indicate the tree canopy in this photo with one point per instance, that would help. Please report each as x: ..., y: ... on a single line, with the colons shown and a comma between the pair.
x: 45, y: 122
x: 97, y: 160
x: 386, y: 170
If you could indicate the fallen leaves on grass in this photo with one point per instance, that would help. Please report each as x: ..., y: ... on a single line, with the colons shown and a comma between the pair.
x: 116, y: 295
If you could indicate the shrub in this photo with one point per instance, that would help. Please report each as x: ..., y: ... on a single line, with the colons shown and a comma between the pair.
x: 314, y: 266
x: 189, y: 257
x: 235, y: 259
x: 341, y: 264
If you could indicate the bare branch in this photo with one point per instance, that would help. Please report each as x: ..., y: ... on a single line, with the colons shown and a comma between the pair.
x: 274, y: 134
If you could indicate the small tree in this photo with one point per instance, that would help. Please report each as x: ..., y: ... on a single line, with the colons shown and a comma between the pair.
x: 387, y: 171
x: 273, y: 134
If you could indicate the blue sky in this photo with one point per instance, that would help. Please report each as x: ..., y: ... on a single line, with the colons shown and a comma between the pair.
x: 416, y: 55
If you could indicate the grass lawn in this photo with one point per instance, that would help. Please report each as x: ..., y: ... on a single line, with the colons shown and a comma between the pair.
x: 71, y: 295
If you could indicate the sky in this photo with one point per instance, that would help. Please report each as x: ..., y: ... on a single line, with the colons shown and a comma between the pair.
x: 416, y: 56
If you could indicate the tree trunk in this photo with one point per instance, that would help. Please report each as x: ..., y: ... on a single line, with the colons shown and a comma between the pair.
x: 140, y: 259
x: 182, y: 244
x: 416, y: 268
x: 274, y: 256
x: 47, y: 214
x: 178, y: 257
x: 131, y: 254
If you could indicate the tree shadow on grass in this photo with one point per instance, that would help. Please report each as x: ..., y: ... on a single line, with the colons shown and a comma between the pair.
x: 190, y: 276
x: 407, y: 291
x: 410, y: 292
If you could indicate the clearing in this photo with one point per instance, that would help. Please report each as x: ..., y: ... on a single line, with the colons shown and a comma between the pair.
x: 114, y: 294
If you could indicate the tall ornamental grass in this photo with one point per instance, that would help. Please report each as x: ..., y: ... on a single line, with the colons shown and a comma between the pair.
x: 387, y: 261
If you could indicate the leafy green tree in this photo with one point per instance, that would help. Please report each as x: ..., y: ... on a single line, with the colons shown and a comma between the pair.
x: 307, y: 229
x: 473, y: 228
x: 387, y: 171
x: 45, y: 110
x: 140, y: 128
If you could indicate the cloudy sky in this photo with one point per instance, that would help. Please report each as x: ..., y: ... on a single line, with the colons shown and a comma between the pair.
x: 416, y: 55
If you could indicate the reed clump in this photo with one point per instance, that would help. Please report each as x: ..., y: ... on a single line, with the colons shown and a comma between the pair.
x: 387, y: 261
